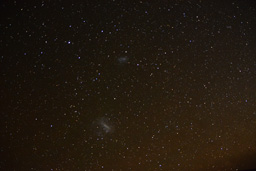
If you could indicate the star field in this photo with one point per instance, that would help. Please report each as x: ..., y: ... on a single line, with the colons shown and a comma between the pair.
x: 128, y: 85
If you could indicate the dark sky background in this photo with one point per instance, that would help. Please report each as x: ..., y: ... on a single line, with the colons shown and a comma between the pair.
x: 128, y: 85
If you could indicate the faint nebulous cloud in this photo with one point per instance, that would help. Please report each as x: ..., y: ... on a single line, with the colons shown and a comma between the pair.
x: 102, y: 126
x: 123, y: 60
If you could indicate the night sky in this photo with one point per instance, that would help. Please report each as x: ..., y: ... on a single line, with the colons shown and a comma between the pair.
x: 128, y: 85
